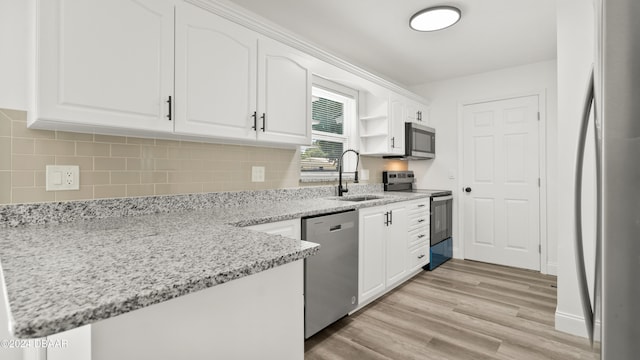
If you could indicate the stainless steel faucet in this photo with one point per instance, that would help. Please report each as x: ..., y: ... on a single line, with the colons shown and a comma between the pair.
x: 342, y: 190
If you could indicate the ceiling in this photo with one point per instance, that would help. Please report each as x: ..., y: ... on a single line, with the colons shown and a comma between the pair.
x: 375, y: 35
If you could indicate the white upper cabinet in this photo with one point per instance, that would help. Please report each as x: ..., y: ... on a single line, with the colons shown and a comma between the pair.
x: 417, y: 112
x: 382, y: 124
x: 108, y: 66
x: 232, y: 83
x: 171, y: 69
x: 398, y: 113
x: 216, y: 81
x: 104, y: 63
x: 284, y: 94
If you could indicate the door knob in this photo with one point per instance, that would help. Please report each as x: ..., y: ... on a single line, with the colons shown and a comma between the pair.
x: 467, y: 189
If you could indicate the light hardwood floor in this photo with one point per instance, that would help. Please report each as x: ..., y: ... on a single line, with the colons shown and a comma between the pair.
x: 462, y: 310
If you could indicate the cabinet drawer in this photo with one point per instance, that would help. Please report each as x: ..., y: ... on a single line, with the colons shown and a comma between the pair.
x: 418, y: 221
x: 418, y: 236
x: 418, y: 206
x: 418, y: 257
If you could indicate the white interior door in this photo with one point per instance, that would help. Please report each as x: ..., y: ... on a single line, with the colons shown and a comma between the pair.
x: 501, y: 180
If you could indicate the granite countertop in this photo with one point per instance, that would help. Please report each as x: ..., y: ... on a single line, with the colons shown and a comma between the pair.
x: 61, y: 276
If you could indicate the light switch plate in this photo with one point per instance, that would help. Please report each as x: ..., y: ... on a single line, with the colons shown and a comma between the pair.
x: 257, y: 173
x: 63, y: 177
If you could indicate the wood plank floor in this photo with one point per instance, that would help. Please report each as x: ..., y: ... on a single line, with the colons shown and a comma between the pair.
x: 462, y: 310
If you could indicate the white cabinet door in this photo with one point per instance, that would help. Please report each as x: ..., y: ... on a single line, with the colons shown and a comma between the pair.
x: 284, y: 94
x: 372, y: 234
x: 396, y: 125
x: 396, y: 244
x: 412, y: 111
x: 287, y: 228
x: 105, y: 63
x: 216, y: 64
x: 417, y: 112
x: 423, y: 114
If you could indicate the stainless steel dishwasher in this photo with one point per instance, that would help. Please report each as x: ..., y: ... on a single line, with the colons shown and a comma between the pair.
x: 331, y: 276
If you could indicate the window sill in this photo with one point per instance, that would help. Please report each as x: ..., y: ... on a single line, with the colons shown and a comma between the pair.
x: 329, y: 177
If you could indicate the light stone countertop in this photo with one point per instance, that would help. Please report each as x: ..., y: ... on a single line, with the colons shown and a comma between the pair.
x: 62, y: 276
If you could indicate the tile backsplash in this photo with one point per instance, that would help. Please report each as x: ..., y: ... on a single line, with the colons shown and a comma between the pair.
x: 115, y: 166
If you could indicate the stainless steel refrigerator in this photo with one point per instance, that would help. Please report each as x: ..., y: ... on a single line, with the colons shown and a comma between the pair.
x: 614, y: 97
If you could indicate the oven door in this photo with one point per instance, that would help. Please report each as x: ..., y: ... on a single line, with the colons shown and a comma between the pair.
x: 441, y: 218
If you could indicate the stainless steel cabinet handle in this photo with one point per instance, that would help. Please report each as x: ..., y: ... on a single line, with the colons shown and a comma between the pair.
x: 421, y: 220
x: 422, y: 205
x: 421, y: 236
x: 264, y: 120
x: 580, y: 263
x: 393, y: 142
x: 391, y: 217
x: 421, y: 256
x: 255, y: 120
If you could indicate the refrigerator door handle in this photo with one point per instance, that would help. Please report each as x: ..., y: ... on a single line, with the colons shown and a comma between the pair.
x: 580, y: 264
x: 597, y: 279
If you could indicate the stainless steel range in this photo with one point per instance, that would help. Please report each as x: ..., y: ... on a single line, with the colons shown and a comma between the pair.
x: 441, y: 214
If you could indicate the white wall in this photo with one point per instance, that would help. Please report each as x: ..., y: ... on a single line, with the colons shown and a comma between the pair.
x: 14, y: 60
x: 446, y: 97
x: 575, y: 56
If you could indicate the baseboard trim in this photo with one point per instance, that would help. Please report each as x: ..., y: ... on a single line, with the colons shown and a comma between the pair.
x: 552, y: 269
x: 571, y: 324
x: 574, y: 325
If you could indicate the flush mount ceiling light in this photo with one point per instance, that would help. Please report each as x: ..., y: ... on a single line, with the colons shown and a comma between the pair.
x: 435, y: 18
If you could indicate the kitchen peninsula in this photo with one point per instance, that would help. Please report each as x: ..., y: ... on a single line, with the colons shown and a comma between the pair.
x: 190, y: 271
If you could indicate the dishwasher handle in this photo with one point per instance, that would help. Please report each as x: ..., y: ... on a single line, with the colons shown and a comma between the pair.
x: 335, y: 228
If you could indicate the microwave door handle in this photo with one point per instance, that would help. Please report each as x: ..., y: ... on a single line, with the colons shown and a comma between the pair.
x: 580, y: 263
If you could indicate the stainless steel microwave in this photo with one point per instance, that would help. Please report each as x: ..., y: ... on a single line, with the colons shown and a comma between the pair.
x: 419, y: 143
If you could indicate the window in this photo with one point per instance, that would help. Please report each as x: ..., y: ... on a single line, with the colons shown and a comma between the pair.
x: 333, y: 114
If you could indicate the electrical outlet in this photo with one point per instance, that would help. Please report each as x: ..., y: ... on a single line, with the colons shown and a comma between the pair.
x: 257, y: 173
x: 63, y: 177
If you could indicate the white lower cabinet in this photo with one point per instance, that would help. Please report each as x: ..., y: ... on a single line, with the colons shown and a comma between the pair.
x: 382, y: 249
x: 394, y: 246
x: 372, y: 243
x: 286, y: 228
x: 418, y: 243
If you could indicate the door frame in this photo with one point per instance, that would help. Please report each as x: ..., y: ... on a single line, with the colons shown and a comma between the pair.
x: 542, y: 168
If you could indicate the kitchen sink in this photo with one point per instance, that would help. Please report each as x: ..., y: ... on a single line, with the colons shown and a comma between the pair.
x: 358, y: 198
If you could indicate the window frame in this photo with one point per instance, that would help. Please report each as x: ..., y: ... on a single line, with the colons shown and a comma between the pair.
x: 349, y: 97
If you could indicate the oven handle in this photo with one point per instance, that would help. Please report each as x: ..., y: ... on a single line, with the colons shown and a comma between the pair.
x: 441, y: 198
